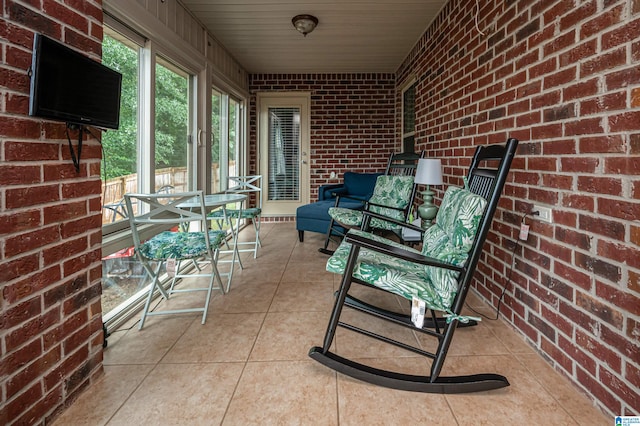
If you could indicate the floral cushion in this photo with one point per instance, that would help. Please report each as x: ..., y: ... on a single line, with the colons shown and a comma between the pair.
x: 179, y: 245
x: 249, y: 213
x: 392, y: 191
x: 448, y: 240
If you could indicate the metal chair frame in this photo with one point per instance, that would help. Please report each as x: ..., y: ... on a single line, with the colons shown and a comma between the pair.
x: 160, y: 212
x: 247, y: 185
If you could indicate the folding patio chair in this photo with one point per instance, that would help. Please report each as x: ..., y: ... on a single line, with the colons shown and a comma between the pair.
x: 436, y: 280
x: 167, y: 234
x: 250, y: 186
x: 392, y: 197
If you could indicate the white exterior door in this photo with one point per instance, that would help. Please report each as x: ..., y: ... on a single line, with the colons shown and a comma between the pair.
x: 283, y: 129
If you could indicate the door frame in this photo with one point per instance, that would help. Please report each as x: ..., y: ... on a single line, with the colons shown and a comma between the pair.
x: 265, y: 100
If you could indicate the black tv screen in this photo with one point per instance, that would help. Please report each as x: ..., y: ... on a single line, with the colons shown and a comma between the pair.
x: 68, y: 86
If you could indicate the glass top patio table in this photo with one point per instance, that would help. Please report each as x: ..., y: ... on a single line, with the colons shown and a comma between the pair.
x: 214, y: 200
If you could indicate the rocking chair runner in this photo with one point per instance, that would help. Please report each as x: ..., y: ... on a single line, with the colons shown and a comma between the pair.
x: 439, y: 277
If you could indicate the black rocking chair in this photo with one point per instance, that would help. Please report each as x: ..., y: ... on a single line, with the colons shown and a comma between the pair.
x: 443, y: 311
x: 399, y: 164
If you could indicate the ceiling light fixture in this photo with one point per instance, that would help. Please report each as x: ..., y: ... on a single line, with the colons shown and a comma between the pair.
x: 304, y: 23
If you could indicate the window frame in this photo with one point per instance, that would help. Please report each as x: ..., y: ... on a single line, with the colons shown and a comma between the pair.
x: 406, y: 135
x: 116, y: 236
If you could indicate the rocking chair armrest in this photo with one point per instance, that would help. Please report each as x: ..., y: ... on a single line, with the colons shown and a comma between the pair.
x: 409, y: 256
x: 370, y: 204
x: 392, y: 220
x: 361, y: 198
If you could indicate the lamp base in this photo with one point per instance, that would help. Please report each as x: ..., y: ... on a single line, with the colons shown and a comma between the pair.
x: 427, y: 211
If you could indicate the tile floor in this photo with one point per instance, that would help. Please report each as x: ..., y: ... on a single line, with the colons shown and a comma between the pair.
x: 248, y: 364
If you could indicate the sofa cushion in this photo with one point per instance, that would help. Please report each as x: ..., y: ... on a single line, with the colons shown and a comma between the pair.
x: 320, y: 209
x: 360, y: 184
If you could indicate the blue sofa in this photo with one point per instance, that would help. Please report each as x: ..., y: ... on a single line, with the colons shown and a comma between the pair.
x: 315, y: 217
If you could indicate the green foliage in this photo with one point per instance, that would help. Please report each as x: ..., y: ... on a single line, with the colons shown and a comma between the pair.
x: 119, y: 146
x: 172, y: 118
x: 172, y: 114
x: 216, y: 100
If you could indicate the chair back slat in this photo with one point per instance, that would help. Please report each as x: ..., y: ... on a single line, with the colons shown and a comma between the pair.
x: 403, y: 163
x: 246, y: 185
x: 166, y: 210
x: 489, y: 181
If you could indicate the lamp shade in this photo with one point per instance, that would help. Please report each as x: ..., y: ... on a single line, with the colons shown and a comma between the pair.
x: 429, y: 171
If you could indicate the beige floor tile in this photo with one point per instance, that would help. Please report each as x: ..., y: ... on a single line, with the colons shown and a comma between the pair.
x: 577, y: 405
x: 259, y: 272
x: 360, y: 403
x: 289, y: 335
x: 525, y: 401
x: 245, y: 297
x: 249, y: 364
x: 303, y: 296
x: 98, y: 405
x: 284, y: 393
x: 271, y: 255
x: 224, y: 338
x: 149, y: 345
x: 308, y: 250
x: 181, y: 394
x: 306, y: 271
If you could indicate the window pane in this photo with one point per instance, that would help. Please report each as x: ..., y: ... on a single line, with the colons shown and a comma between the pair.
x: 216, y: 135
x: 120, y: 146
x: 171, y: 133
x: 284, y: 160
x: 408, y: 144
x: 122, y: 277
x: 234, y: 113
x: 409, y: 108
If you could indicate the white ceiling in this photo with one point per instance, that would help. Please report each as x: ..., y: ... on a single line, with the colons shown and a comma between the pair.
x: 352, y: 36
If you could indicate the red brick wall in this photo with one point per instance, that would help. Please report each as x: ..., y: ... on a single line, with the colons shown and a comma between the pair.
x: 50, y: 227
x: 352, y: 120
x: 564, y: 78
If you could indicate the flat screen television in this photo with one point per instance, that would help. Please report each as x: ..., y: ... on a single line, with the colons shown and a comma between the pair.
x: 68, y: 86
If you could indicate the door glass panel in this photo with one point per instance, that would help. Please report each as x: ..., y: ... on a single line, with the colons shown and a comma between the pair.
x: 284, y: 155
x: 171, y: 128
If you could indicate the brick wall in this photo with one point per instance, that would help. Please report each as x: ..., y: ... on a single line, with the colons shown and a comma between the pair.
x: 352, y: 121
x: 50, y: 227
x: 564, y: 78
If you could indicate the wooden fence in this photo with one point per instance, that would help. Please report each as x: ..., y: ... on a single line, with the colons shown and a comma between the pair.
x: 175, y: 178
